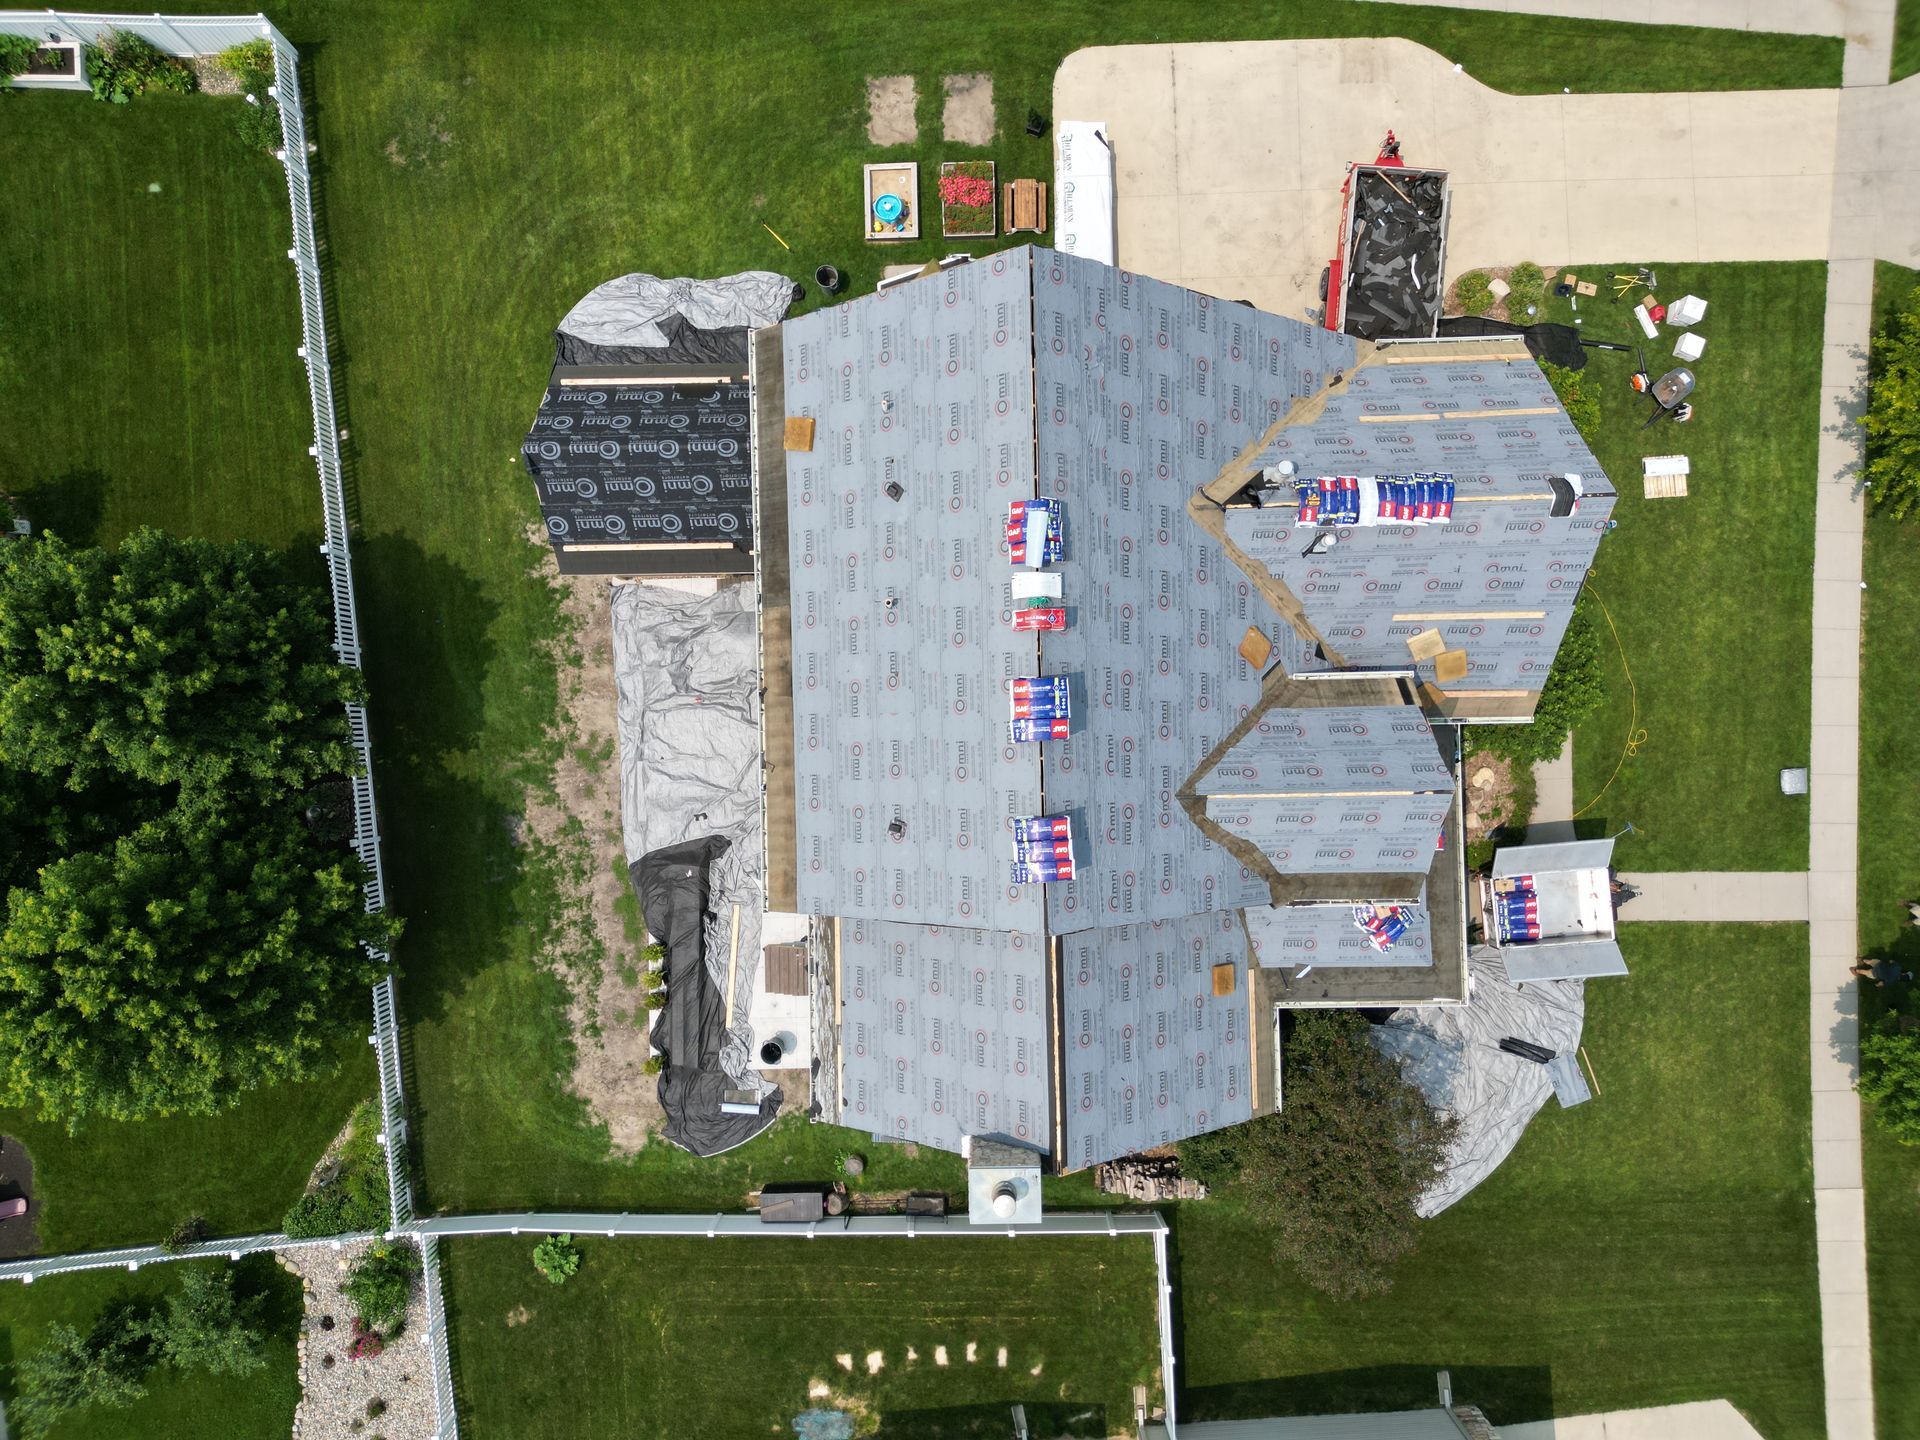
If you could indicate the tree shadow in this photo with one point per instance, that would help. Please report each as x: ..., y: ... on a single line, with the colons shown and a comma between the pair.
x: 72, y: 506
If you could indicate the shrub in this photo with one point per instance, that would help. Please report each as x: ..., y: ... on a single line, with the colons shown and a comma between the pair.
x: 1473, y: 293
x: 652, y: 955
x: 1581, y: 401
x: 1890, y: 1080
x: 367, y: 1342
x: 381, y: 1282
x: 16, y: 53
x: 251, y: 65
x: 190, y: 1231
x: 124, y: 65
x: 1893, y: 413
x: 655, y: 1064
x: 1573, y: 692
x: 652, y: 999
x: 1528, y: 284
x: 557, y: 1258
x: 376, y: 1407
x: 355, y: 1199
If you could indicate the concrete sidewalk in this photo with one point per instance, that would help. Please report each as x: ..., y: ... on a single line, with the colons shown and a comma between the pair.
x: 1732, y: 896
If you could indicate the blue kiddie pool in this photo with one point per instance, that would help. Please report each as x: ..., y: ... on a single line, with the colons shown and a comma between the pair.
x: 888, y: 208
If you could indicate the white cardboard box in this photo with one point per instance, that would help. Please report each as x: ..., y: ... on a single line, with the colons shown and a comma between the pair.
x: 1689, y: 346
x: 1687, y: 311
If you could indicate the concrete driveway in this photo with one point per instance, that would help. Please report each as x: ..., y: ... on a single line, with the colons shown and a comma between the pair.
x: 1230, y: 158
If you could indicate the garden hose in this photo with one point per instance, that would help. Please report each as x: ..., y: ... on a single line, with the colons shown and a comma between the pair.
x: 1636, y: 733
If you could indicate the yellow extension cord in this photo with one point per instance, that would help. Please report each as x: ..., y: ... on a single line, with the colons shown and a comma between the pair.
x: 1636, y: 736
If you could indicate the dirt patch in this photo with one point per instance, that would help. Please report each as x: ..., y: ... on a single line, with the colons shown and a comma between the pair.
x: 212, y: 77
x: 518, y: 1315
x: 967, y: 118
x: 19, y: 1236
x: 575, y: 823
x: 892, y: 103
x: 1490, y: 795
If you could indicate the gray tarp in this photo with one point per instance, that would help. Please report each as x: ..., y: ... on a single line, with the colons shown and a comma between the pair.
x: 1453, y: 1054
x: 687, y: 670
x: 629, y: 311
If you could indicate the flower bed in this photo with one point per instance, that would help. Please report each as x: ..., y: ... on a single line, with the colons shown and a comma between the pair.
x: 967, y: 206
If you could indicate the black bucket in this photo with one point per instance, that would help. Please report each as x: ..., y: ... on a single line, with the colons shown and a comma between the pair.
x: 772, y: 1053
x: 828, y: 279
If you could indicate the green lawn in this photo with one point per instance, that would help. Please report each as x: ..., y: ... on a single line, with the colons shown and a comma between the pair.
x: 1906, y: 39
x: 729, y: 1337
x: 1712, y: 595
x: 176, y: 1406
x: 148, y: 376
x: 1653, y: 1246
x: 1890, y: 876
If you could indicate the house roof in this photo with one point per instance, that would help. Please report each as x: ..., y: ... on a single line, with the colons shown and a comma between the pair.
x: 1499, y: 579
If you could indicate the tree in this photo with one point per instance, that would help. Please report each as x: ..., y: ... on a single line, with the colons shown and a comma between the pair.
x: 70, y: 1370
x: 1893, y: 414
x: 1890, y: 1081
x: 1336, y: 1173
x: 174, y: 930
x: 198, y: 957
x: 206, y: 1326
x: 169, y: 662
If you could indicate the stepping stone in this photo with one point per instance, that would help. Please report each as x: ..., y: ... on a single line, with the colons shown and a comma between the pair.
x: 968, y: 116
x: 892, y: 101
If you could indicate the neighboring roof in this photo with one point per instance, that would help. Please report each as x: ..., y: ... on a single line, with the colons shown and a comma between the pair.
x: 1500, y: 578
x: 1150, y: 1054
x: 1325, y: 936
x: 1144, y: 391
x: 944, y: 1033
x: 633, y: 458
x: 899, y: 709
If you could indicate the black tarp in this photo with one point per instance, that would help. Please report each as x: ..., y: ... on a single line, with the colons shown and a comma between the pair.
x: 671, y: 885
x: 1556, y: 344
x: 686, y: 344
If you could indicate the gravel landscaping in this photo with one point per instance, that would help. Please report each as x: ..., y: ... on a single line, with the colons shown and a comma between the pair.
x: 389, y: 1395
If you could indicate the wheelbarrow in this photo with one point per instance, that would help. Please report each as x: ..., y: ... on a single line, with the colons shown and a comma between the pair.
x: 1670, y: 393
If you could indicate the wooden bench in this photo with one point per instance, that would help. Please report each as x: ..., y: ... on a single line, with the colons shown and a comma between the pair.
x: 1025, y: 205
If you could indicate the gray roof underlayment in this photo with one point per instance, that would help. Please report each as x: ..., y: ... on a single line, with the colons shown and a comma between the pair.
x: 1150, y: 1054
x: 1500, y: 578
x: 1325, y: 936
x: 1144, y: 391
x: 901, y: 644
x: 944, y: 1033
x: 1031, y: 374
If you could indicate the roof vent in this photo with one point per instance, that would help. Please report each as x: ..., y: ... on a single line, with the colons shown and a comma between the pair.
x: 897, y: 829
x: 1566, y: 495
x: 893, y: 490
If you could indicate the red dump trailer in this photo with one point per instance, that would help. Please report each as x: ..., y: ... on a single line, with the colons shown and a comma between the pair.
x: 1384, y: 282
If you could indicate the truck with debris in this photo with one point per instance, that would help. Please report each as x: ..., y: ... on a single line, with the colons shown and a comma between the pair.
x: 1384, y: 282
